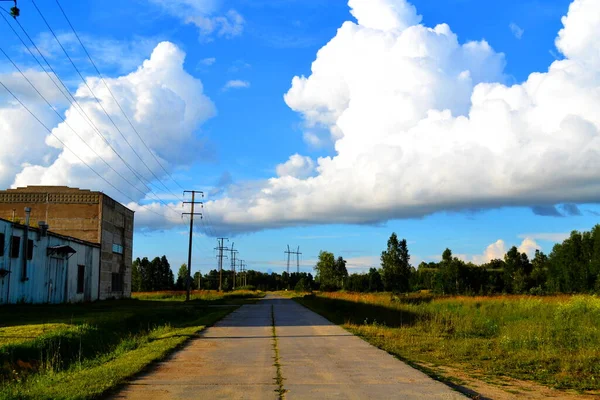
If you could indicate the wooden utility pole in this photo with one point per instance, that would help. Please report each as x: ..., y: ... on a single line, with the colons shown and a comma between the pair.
x: 233, y: 254
x: 191, y: 214
x: 221, y: 248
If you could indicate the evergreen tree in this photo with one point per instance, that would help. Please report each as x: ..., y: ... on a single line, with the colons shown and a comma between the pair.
x: 395, y: 267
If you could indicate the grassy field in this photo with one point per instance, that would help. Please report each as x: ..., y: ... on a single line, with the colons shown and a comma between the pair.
x: 81, y: 351
x: 554, y: 341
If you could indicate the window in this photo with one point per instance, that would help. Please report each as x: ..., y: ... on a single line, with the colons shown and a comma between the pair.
x: 15, y: 245
x: 30, y: 249
x: 2, y: 244
x: 117, y: 248
x: 80, y: 278
x: 117, y: 282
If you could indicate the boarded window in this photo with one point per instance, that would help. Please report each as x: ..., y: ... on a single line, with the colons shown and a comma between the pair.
x: 80, y: 278
x: 30, y: 249
x: 15, y: 246
x: 117, y: 248
x: 117, y: 282
x: 2, y: 244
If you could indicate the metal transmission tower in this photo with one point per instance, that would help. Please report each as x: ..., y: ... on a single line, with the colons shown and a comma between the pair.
x: 221, y: 249
x: 289, y: 253
x: 298, y: 260
x: 233, y: 255
x: 191, y: 214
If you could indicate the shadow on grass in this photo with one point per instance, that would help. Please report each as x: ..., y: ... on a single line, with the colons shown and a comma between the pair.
x: 91, y: 330
x: 343, y: 311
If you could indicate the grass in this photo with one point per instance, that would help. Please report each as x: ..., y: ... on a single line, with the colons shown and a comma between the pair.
x: 554, y: 341
x: 279, y: 377
x: 206, y: 296
x: 81, y: 351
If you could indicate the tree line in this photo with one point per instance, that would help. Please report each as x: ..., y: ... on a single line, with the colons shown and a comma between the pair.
x: 156, y: 275
x: 572, y: 266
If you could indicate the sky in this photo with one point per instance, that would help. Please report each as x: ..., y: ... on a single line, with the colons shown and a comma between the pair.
x: 323, y: 125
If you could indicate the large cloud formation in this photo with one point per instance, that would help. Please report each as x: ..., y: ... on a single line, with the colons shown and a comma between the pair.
x: 422, y: 123
x: 164, y: 103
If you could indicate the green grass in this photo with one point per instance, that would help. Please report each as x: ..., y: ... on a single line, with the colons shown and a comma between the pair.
x: 554, y: 341
x: 81, y: 351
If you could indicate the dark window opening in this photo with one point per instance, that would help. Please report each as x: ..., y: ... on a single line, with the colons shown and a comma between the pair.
x: 15, y: 246
x: 117, y: 282
x: 80, y: 278
x: 2, y: 239
x: 30, y: 249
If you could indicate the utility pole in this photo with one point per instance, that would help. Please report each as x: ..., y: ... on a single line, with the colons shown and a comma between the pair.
x: 298, y: 260
x: 191, y: 214
x: 289, y: 253
x: 221, y: 248
x: 233, y: 254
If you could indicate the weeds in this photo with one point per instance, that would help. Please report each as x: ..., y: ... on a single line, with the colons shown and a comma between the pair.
x: 551, y: 340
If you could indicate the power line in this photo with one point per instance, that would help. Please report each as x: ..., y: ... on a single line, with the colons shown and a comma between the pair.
x: 73, y: 100
x: 111, y: 93
x: 96, y: 98
x: 81, y: 138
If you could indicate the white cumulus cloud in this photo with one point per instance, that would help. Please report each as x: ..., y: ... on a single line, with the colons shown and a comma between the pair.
x: 164, y: 102
x: 236, y: 84
x: 297, y: 166
x: 205, y: 15
x: 423, y: 123
x: 498, y: 249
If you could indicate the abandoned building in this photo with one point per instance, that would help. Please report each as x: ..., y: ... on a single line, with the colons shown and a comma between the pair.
x: 38, y: 266
x: 85, y: 215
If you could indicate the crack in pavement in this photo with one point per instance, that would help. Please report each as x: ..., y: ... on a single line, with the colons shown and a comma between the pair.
x: 279, y: 377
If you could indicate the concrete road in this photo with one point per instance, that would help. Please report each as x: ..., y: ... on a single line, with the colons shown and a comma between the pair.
x: 235, y: 360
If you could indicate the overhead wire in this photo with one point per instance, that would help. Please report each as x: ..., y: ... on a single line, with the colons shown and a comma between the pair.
x: 112, y: 95
x: 97, y: 99
x: 67, y: 123
x: 65, y: 145
x: 119, y: 105
x: 77, y: 106
x: 208, y: 220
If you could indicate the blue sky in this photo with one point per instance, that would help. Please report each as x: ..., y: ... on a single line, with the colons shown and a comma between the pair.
x: 258, y: 46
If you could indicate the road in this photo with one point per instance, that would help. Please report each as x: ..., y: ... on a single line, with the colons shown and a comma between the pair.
x: 236, y: 359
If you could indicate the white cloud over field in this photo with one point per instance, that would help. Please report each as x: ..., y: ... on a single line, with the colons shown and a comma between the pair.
x: 420, y: 123
x: 423, y: 123
x: 165, y: 104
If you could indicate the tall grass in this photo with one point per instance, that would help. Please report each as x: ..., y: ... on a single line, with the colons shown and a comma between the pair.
x: 551, y: 340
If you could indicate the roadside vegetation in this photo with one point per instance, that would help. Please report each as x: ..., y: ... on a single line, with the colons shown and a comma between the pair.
x: 81, y: 351
x: 551, y: 340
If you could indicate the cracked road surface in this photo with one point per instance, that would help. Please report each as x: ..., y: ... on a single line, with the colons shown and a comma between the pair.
x: 235, y: 359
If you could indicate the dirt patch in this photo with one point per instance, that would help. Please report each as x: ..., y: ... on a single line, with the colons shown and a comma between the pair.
x: 503, y: 388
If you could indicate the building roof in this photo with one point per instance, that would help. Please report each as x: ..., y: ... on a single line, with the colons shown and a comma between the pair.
x: 50, y: 233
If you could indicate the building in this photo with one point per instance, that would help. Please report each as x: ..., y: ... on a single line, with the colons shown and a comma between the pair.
x: 38, y: 266
x: 85, y: 215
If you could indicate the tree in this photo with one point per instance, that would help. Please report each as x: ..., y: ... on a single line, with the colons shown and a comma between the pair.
x: 395, y: 266
x: 327, y: 274
x: 182, y: 277
x: 375, y: 282
x: 136, y: 277
x: 341, y: 273
x: 517, y: 270
x: 196, y: 280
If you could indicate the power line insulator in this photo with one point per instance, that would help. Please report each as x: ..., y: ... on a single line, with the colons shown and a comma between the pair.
x: 15, y: 11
